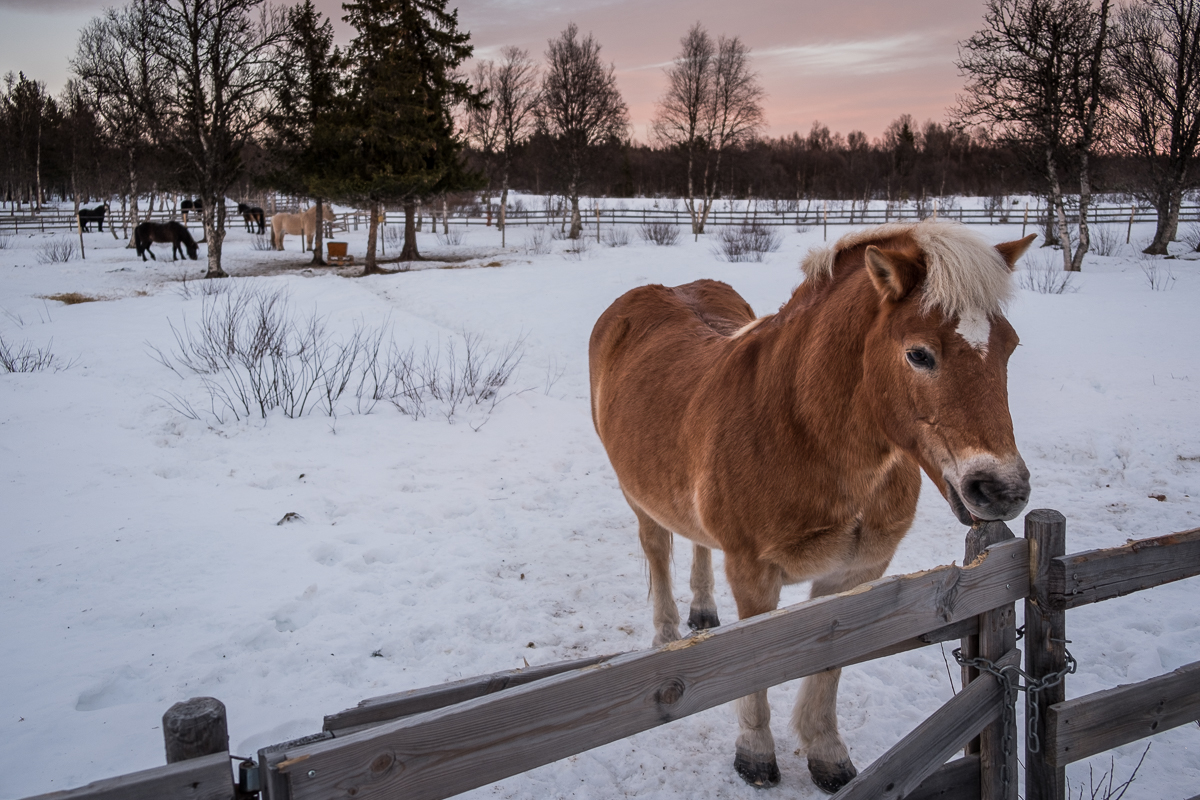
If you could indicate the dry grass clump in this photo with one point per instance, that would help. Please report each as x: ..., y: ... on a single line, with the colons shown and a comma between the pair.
x: 71, y: 298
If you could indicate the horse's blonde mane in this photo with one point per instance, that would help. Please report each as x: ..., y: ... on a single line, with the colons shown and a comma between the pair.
x: 965, y: 272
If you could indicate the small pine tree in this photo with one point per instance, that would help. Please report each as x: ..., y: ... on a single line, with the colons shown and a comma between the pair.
x: 396, y: 138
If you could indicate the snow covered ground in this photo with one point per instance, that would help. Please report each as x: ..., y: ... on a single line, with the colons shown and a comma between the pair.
x: 143, y: 563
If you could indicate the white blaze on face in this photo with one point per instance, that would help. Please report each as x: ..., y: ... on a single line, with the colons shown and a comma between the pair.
x: 975, y: 327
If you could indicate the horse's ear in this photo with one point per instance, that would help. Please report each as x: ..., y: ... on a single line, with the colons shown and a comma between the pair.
x: 893, y: 274
x: 1011, y: 251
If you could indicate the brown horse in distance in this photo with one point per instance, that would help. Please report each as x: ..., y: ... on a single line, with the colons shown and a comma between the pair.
x: 794, y: 442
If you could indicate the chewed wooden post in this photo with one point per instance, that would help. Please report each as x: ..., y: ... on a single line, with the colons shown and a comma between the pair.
x: 997, y: 635
x: 195, y: 728
x: 1045, y: 645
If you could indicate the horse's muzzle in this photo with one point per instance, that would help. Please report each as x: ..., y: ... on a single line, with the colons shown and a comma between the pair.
x: 989, y: 489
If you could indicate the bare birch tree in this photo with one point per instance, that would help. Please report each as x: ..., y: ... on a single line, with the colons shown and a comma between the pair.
x: 713, y: 102
x: 580, y: 108
x: 124, y: 78
x: 1035, y: 77
x: 223, y: 58
x: 1158, y: 64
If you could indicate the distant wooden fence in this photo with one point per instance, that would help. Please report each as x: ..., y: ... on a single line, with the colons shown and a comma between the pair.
x: 840, y: 214
x: 437, y: 742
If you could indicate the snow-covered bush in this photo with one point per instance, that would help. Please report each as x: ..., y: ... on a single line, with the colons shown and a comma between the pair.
x: 255, y: 356
x: 1105, y: 239
x: 1158, y: 274
x: 24, y: 357
x: 663, y: 234
x: 452, y: 237
x: 56, y: 251
x: 537, y: 241
x: 1191, y: 236
x: 1043, y: 273
x: 747, y: 242
x: 616, y: 236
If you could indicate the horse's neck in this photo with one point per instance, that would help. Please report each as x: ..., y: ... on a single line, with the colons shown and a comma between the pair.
x: 819, y: 340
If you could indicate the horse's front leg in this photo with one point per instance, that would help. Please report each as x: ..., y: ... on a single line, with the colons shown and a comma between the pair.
x: 815, y: 716
x: 756, y: 588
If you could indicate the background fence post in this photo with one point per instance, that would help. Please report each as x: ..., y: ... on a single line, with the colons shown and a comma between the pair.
x: 997, y: 635
x: 1045, y: 644
x: 195, y: 728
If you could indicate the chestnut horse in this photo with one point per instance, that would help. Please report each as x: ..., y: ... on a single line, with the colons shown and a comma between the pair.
x: 794, y: 442
x: 303, y: 225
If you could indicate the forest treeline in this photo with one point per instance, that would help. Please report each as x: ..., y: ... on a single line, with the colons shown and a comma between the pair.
x: 1061, y: 98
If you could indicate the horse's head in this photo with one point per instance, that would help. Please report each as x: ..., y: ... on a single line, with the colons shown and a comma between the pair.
x: 327, y: 213
x: 937, y: 363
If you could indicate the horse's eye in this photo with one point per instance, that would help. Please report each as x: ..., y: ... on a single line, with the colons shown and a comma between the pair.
x: 920, y: 358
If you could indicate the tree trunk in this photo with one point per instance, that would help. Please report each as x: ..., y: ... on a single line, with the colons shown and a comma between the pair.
x: 409, y: 252
x: 503, y: 210
x: 213, y: 216
x: 1085, y: 202
x: 319, y: 235
x: 576, y: 222
x: 1166, y: 203
x: 370, y: 267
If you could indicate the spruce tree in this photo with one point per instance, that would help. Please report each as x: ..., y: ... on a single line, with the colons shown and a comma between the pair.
x: 304, y: 135
x: 398, y: 141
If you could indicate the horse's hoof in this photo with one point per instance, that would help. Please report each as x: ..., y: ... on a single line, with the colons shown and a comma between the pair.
x: 702, y: 620
x: 830, y: 776
x: 759, y: 774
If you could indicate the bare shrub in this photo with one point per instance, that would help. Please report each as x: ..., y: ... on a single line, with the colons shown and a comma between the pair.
x: 1158, y: 274
x: 58, y: 250
x: 1103, y: 789
x: 1044, y: 274
x: 578, y: 249
x: 5, y: 240
x: 1191, y: 236
x: 1106, y: 240
x: 24, y: 357
x: 747, y: 242
x: 261, y: 242
x: 254, y: 356
x: 452, y: 236
x: 537, y: 241
x: 616, y: 236
x: 663, y: 234
x: 190, y: 287
x: 393, y: 236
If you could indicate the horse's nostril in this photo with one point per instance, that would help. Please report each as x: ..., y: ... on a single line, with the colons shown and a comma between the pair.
x: 979, y: 492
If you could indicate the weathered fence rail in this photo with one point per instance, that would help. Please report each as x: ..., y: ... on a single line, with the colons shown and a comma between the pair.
x: 436, y: 742
x: 52, y: 220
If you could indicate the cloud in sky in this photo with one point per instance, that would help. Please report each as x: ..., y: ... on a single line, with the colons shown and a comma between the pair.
x: 864, y: 57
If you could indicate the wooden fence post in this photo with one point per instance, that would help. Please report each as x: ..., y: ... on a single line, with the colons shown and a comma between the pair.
x: 997, y: 636
x: 1045, y: 645
x: 195, y: 728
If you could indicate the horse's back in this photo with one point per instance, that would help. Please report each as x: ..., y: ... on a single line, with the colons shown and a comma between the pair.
x: 664, y: 334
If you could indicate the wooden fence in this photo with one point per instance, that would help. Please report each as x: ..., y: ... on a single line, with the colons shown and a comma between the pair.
x: 437, y: 742
x: 59, y: 220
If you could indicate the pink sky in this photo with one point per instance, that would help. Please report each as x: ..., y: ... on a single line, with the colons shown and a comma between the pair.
x: 858, y: 65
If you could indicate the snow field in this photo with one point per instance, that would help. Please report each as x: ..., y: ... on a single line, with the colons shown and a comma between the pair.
x: 143, y: 563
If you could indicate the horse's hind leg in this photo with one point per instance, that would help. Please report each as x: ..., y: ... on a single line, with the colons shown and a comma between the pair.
x: 756, y: 589
x: 656, y: 544
x: 703, y: 613
x: 815, y: 716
